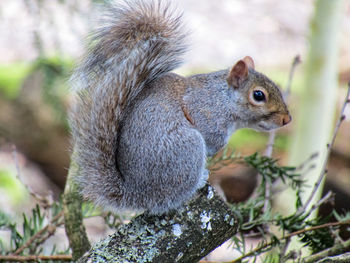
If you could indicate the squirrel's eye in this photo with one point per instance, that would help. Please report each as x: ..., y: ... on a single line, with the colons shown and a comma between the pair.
x: 259, y: 96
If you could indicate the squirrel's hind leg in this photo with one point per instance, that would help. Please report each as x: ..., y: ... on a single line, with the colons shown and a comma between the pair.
x: 183, y: 171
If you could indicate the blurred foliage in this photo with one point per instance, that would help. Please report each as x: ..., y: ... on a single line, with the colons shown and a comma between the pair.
x: 40, y: 87
x: 12, y: 187
x: 12, y: 77
x: 280, y: 77
x: 54, y: 86
x: 245, y: 138
x: 56, y: 72
x: 33, y: 104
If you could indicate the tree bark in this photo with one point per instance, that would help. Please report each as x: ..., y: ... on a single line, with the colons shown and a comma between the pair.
x: 186, y: 235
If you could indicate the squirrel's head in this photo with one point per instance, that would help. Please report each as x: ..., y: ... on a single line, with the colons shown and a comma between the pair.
x: 260, y: 100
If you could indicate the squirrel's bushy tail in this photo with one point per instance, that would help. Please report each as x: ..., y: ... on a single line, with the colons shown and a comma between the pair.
x: 137, y: 43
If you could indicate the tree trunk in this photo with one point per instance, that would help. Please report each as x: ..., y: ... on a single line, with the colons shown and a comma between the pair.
x: 316, y: 109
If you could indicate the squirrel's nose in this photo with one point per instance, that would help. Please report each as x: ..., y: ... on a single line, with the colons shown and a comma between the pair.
x: 286, y: 119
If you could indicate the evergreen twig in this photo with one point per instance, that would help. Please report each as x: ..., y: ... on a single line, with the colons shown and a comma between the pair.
x: 47, y: 229
x: 288, y: 236
x: 335, y: 250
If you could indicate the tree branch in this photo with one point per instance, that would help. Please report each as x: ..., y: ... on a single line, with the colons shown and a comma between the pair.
x: 73, y: 217
x: 187, y: 235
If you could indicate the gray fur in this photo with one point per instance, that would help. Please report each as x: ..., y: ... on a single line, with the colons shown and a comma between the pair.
x: 161, y: 155
x: 141, y: 134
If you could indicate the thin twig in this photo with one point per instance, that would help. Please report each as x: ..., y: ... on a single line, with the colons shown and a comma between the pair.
x: 271, y: 141
x: 35, y: 258
x: 329, y: 147
x: 268, y: 153
x: 323, y: 200
x: 295, y: 63
x: 54, y: 222
x: 45, y: 202
x: 301, y: 166
x: 268, y: 244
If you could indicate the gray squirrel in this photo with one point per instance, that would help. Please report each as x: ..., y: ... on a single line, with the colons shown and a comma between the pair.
x: 142, y: 134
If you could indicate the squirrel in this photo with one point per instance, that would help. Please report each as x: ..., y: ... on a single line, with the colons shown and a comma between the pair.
x: 141, y: 133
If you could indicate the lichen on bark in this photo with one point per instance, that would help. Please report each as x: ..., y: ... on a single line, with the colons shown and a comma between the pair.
x: 185, y: 235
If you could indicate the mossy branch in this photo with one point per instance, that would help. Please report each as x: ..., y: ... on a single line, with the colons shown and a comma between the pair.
x: 73, y: 217
x: 187, y: 235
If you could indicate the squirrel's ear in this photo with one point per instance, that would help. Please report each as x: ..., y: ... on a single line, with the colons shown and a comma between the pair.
x: 249, y: 61
x: 238, y: 73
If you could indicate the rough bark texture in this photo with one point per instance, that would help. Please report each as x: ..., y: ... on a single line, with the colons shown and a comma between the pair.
x: 186, y: 235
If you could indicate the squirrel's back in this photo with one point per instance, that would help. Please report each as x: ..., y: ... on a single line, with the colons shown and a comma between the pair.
x: 137, y: 43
